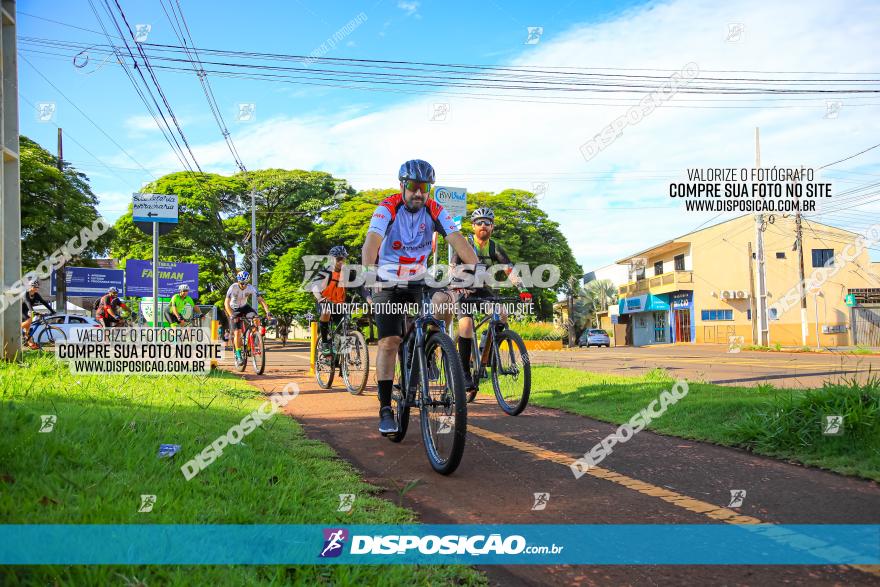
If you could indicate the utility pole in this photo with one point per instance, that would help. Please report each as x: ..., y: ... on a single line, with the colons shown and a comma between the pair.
x: 752, y: 305
x: 572, y: 335
x: 763, y: 320
x: 254, y: 249
x: 61, y: 272
x: 799, y: 243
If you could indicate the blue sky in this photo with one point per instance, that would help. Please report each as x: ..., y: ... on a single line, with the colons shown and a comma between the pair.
x: 608, y: 207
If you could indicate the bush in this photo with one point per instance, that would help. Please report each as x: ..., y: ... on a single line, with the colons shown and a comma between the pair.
x: 538, y: 330
x: 794, y: 422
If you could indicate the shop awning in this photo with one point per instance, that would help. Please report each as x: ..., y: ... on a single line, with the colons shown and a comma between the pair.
x: 643, y: 303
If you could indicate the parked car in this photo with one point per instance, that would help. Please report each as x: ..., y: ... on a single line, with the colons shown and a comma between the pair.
x: 594, y: 337
x: 65, y: 322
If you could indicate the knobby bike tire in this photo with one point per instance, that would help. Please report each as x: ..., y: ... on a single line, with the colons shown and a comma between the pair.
x: 504, y: 342
x: 357, y: 341
x: 454, y: 389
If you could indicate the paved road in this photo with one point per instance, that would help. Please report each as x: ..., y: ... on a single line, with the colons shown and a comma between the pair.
x: 652, y: 479
x: 713, y: 364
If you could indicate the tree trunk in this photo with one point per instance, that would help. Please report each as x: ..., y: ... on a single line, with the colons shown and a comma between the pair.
x: 572, y: 337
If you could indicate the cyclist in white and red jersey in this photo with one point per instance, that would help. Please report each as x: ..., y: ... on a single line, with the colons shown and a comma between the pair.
x: 400, y: 237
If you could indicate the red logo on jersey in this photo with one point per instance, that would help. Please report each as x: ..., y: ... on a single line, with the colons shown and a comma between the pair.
x: 396, y: 245
x: 422, y: 227
x: 378, y: 215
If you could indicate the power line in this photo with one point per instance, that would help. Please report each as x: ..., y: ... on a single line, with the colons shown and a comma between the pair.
x: 87, y: 117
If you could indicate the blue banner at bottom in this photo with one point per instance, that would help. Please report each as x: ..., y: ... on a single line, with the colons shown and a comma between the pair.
x: 600, y: 544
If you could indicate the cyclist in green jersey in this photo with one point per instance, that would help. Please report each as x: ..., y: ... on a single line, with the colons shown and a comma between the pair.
x: 176, y: 311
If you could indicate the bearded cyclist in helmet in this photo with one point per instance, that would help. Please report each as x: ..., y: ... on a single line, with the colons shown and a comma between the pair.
x: 237, y: 307
x: 490, y: 254
x: 326, y: 289
x: 399, y: 239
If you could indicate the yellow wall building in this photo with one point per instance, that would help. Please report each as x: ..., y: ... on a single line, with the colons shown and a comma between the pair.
x: 698, y: 287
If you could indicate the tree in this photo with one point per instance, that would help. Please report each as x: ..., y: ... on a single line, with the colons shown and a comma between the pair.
x: 55, y: 206
x: 599, y: 295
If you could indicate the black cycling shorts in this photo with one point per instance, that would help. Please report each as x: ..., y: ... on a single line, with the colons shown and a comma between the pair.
x: 241, y: 312
x: 391, y: 324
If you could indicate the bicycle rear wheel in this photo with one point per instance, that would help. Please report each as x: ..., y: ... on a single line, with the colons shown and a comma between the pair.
x: 355, y: 360
x: 444, y: 412
x: 398, y: 399
x: 258, y: 352
x: 511, y: 373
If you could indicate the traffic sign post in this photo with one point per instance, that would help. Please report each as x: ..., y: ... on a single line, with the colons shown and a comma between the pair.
x: 454, y: 201
x: 156, y: 209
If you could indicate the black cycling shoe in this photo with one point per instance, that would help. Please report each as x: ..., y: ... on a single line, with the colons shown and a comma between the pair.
x: 387, y: 424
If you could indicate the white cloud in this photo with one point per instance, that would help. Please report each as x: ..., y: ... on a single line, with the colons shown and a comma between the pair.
x: 410, y: 7
x: 493, y: 145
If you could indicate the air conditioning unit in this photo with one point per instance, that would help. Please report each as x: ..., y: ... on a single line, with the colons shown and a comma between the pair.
x: 726, y: 294
x: 740, y: 294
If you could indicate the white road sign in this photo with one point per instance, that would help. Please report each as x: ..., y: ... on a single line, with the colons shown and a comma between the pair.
x: 154, y: 208
x: 454, y: 200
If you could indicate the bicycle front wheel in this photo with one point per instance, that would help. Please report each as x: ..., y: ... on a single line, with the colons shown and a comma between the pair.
x: 258, y: 352
x: 511, y: 373
x: 50, y: 335
x: 355, y: 362
x: 444, y: 407
x: 325, y: 368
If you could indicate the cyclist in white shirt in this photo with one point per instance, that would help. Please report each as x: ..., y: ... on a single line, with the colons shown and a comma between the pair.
x: 237, y: 306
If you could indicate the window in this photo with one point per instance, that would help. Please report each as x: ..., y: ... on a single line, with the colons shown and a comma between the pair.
x: 714, y: 315
x: 822, y: 256
x: 773, y: 313
x: 640, y: 273
x: 679, y: 262
x: 658, y: 268
x: 75, y: 320
x: 780, y: 255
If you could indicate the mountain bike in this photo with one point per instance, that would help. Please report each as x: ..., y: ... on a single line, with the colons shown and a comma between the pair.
x: 500, y: 354
x: 42, y: 333
x: 252, y: 345
x: 348, y: 353
x: 430, y: 378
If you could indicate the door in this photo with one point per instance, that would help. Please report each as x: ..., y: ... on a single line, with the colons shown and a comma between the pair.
x: 866, y: 326
x: 682, y: 320
x: 660, y: 320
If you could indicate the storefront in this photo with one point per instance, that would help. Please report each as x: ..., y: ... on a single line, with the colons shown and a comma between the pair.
x: 683, y: 326
x: 649, y: 318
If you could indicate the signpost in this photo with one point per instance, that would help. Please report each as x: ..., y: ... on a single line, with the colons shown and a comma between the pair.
x: 87, y: 281
x: 157, y: 209
x: 454, y: 201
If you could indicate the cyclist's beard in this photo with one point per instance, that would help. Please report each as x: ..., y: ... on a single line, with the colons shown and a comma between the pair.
x: 415, y: 202
x: 483, y: 234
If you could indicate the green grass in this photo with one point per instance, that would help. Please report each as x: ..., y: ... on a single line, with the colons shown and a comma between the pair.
x: 776, y: 422
x: 102, y: 455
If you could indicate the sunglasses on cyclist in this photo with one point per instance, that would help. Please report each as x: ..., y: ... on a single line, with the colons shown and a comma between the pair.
x: 418, y: 186
x: 482, y: 223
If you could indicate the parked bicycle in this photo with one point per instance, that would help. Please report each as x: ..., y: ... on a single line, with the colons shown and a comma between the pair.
x: 252, y: 345
x: 349, y: 354
x: 430, y: 378
x: 42, y: 334
x: 500, y: 355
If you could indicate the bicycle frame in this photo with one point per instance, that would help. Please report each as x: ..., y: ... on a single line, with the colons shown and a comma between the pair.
x: 415, y: 335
